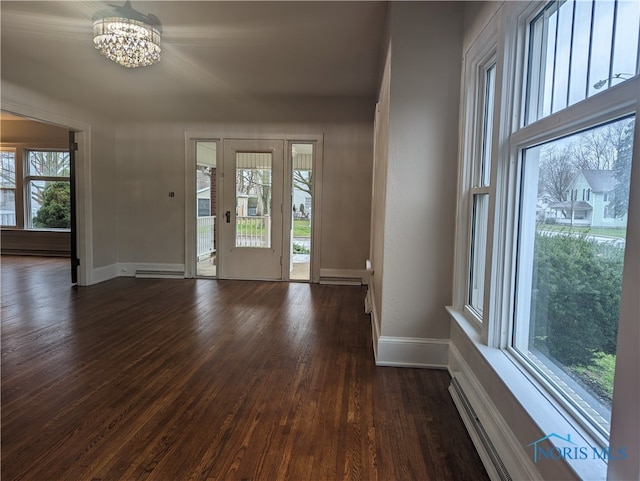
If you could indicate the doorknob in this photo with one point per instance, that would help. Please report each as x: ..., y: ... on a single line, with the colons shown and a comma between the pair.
x: 227, y: 214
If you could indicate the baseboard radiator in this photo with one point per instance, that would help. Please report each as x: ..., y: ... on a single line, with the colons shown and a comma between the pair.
x: 158, y: 274
x: 490, y: 457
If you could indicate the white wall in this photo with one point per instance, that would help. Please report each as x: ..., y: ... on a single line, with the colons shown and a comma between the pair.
x: 426, y: 46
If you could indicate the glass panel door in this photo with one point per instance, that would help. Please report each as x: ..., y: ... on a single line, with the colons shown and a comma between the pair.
x: 206, y: 208
x: 251, y: 225
x: 301, y: 211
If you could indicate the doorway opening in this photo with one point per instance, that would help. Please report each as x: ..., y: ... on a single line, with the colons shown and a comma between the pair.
x: 301, y: 211
x: 206, y: 208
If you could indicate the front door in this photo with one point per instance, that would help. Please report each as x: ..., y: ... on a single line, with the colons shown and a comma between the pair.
x: 251, y: 221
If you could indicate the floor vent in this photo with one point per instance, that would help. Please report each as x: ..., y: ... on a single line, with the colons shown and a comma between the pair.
x: 479, y: 435
x: 158, y: 274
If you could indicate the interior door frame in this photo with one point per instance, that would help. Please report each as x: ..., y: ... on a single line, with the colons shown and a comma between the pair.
x: 83, y: 194
x: 191, y: 137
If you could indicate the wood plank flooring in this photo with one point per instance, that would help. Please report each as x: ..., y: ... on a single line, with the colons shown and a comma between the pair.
x: 171, y: 380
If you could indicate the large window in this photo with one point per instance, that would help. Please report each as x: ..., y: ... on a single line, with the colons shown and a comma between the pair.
x: 570, y: 262
x: 570, y: 198
x: 545, y: 184
x: 480, y: 190
x: 48, y: 190
x: 35, y: 188
x: 479, y: 102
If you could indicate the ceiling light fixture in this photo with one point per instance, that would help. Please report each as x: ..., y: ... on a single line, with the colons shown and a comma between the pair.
x: 127, y: 36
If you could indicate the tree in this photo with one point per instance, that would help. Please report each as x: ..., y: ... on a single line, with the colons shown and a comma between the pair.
x: 256, y: 183
x: 622, y: 171
x: 597, y: 149
x: 303, y: 180
x: 55, y: 211
x: 47, y: 163
x: 557, y: 172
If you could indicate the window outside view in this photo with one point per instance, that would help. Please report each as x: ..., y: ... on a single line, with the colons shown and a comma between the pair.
x: 575, y: 194
x: 49, y: 190
x: 253, y: 199
x: 573, y: 199
x: 301, y: 195
x: 8, y: 189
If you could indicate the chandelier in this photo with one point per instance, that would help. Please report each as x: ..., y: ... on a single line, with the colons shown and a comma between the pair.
x: 127, y: 37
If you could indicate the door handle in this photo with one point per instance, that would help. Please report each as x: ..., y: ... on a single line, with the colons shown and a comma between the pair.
x: 227, y: 214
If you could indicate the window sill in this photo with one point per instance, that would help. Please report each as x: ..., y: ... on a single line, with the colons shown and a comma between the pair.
x: 540, y: 410
x: 17, y: 229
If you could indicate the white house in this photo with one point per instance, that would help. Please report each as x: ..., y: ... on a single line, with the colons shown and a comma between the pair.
x: 588, y: 201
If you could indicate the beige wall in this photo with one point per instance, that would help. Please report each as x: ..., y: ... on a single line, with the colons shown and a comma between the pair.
x: 151, y: 163
x: 421, y: 170
x: 23, y: 131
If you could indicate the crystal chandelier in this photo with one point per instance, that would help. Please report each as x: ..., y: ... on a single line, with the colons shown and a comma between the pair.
x: 127, y: 37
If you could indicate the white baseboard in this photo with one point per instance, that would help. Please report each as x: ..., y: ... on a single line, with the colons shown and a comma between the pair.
x: 412, y: 352
x: 513, y: 456
x: 106, y: 273
x: 151, y: 270
x: 349, y: 277
x: 370, y: 305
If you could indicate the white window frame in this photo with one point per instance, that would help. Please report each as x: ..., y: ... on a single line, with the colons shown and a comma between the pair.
x: 509, y: 27
x: 27, y: 178
x: 614, y: 103
x: 480, y: 57
x: 16, y: 188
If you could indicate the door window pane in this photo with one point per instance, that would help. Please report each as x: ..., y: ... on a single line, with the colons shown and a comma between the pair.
x: 253, y: 199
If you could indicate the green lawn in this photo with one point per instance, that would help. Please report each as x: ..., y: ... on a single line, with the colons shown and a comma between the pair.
x: 617, y: 232
x: 599, y: 374
x: 302, y: 228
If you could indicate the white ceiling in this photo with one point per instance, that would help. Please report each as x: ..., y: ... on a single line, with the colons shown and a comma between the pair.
x: 211, y: 50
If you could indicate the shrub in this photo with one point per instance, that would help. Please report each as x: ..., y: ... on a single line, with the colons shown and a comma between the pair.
x: 55, y: 211
x: 577, y: 300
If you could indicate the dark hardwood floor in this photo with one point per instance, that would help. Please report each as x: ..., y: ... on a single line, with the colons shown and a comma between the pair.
x: 171, y: 380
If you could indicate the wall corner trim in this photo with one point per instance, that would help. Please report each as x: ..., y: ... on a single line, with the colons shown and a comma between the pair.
x: 105, y: 273
x: 412, y: 352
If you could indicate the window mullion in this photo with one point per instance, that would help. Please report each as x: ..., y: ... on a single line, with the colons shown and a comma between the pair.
x: 613, y: 42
